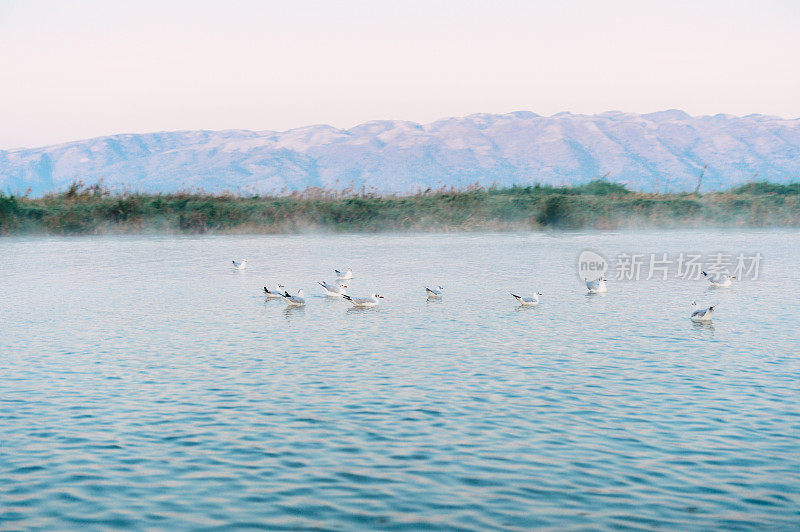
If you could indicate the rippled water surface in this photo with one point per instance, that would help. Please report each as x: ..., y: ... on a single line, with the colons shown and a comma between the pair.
x: 145, y: 384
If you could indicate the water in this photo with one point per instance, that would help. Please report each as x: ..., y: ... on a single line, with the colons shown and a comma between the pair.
x: 145, y: 384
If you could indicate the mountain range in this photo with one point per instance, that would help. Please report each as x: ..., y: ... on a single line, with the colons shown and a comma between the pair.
x: 663, y: 151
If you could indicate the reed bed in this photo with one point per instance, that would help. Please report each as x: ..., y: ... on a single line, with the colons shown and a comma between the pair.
x: 596, y: 205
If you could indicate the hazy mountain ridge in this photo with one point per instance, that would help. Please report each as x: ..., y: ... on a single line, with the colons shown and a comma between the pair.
x: 658, y: 151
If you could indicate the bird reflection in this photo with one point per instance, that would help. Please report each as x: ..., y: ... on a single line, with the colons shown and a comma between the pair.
x: 291, y: 312
x: 703, y: 329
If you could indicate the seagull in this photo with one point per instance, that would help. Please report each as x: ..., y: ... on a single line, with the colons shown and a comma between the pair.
x: 597, y: 286
x: 701, y: 315
x: 334, y: 291
x: 371, y: 301
x: 240, y: 265
x: 347, y: 274
x: 718, y: 281
x: 275, y: 294
x: 528, y: 301
x: 434, y: 293
x: 294, y: 301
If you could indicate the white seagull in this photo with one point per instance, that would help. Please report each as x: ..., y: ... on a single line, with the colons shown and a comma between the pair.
x: 597, y: 286
x: 240, y: 265
x: 347, y: 274
x: 701, y: 315
x: 275, y: 294
x: 434, y: 293
x: 371, y: 301
x: 528, y: 301
x: 294, y: 301
x: 718, y: 281
x: 334, y: 291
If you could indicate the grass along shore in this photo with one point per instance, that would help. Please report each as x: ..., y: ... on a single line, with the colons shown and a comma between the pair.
x: 598, y: 204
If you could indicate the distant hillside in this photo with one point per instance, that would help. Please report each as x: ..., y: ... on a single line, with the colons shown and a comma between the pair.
x: 662, y: 151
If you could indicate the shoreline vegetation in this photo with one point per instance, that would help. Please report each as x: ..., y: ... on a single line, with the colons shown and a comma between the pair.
x: 599, y: 204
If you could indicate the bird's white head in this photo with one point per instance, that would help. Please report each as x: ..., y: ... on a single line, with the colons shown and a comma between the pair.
x: 300, y: 293
x: 377, y: 296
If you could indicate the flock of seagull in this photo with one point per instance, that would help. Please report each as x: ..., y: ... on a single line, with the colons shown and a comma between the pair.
x: 698, y: 315
x: 339, y: 290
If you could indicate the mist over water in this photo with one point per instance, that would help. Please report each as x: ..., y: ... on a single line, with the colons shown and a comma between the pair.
x: 146, y: 384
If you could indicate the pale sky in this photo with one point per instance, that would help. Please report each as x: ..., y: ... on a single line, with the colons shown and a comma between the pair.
x: 76, y: 69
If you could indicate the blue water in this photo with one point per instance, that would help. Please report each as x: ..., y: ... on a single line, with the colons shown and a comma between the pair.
x: 144, y: 384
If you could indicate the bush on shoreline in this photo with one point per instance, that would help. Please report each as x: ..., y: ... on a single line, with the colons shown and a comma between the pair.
x: 599, y: 204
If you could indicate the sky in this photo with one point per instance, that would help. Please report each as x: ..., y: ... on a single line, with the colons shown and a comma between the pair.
x: 76, y: 69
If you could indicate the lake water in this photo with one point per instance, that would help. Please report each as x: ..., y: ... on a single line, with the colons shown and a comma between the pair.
x: 145, y: 384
